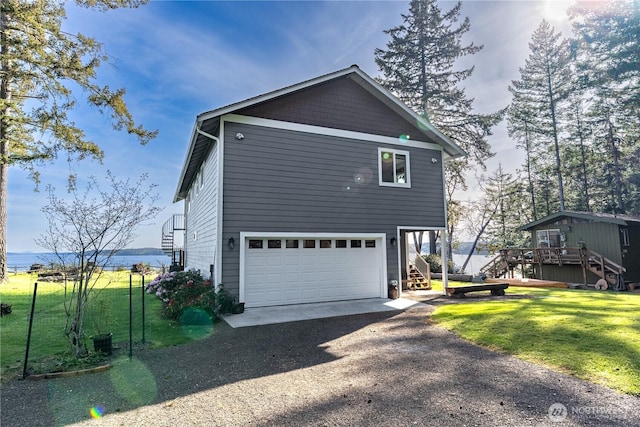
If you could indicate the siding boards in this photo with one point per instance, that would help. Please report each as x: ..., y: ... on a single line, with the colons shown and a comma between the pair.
x: 339, y: 104
x: 202, y: 218
x: 279, y: 180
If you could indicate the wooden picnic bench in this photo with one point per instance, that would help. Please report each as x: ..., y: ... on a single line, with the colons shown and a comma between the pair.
x: 497, y: 289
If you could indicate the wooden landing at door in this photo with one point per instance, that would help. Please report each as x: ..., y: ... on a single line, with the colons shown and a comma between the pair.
x: 530, y: 283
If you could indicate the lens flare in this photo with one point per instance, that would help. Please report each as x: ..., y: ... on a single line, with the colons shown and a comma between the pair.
x: 97, y: 411
x: 196, y: 323
x: 404, y: 137
x: 133, y: 381
x: 363, y: 176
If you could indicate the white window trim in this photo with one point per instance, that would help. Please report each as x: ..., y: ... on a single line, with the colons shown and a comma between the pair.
x: 548, y: 241
x: 407, y: 166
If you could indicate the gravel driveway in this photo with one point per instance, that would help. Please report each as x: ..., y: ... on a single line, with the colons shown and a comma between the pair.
x: 377, y: 369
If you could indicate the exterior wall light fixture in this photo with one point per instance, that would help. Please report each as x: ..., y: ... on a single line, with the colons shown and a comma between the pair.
x: 393, y: 241
x: 232, y: 243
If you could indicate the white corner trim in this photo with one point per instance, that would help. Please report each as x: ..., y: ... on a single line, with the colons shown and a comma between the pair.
x: 219, y: 242
x: 297, y: 127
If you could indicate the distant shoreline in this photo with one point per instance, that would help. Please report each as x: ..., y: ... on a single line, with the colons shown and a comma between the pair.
x: 123, y: 252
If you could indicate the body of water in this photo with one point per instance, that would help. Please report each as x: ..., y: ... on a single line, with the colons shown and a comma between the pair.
x: 475, y: 263
x: 23, y: 260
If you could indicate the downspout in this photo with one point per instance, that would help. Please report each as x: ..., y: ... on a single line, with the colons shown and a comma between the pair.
x: 205, y: 134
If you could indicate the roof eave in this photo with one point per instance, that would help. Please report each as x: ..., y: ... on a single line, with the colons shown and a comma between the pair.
x: 180, y: 194
x: 548, y: 218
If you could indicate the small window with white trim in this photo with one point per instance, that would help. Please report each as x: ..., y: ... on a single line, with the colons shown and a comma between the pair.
x: 309, y: 244
x: 292, y: 244
x: 325, y: 244
x: 393, y: 168
x: 341, y: 243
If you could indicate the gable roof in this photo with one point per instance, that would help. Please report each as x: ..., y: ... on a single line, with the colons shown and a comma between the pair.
x: 207, y: 123
x: 619, y: 219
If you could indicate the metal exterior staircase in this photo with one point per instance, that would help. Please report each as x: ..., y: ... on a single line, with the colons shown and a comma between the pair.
x: 171, y: 245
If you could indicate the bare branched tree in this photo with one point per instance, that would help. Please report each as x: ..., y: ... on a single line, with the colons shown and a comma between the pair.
x: 85, y: 231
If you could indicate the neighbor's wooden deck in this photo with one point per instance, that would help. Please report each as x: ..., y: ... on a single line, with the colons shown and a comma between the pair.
x: 530, y: 283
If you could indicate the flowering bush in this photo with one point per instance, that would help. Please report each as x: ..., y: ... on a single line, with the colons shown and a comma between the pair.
x: 180, y: 290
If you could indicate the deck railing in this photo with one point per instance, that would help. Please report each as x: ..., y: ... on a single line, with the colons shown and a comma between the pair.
x: 508, y: 259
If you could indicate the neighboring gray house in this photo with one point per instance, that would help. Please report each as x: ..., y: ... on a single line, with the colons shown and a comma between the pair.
x: 586, y: 246
x: 305, y: 194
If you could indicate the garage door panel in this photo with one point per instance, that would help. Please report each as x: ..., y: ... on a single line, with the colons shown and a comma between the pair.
x: 309, y: 259
x: 274, y: 260
x: 279, y: 276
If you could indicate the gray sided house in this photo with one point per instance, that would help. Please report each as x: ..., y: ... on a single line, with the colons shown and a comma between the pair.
x: 306, y: 194
x: 615, y: 238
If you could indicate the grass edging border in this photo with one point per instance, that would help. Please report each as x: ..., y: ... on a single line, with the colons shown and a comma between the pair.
x: 52, y: 375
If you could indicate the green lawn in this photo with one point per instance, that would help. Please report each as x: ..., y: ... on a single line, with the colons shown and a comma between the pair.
x: 593, y: 335
x: 49, y: 346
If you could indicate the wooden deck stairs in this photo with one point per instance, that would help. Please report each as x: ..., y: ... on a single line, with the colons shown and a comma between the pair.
x: 506, y: 261
x: 419, y: 276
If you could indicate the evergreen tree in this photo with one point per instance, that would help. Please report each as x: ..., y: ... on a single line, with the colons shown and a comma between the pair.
x: 608, y: 35
x: 418, y: 66
x: 42, y: 64
x: 507, y: 194
x: 521, y: 127
x: 544, y: 84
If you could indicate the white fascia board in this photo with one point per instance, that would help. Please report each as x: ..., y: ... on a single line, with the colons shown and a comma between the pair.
x: 185, y: 164
x: 297, y: 127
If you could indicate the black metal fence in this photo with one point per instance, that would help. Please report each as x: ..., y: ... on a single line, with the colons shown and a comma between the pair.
x: 116, y: 309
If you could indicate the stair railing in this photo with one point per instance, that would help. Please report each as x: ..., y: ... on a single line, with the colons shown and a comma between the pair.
x: 423, y: 268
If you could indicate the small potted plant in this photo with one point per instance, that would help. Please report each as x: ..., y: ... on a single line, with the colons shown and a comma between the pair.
x: 238, y: 308
x: 102, y: 341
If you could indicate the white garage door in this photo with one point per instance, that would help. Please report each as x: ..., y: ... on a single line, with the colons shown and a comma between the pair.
x: 293, y: 270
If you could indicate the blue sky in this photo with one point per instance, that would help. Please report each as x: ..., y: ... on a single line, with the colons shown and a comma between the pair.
x: 180, y: 58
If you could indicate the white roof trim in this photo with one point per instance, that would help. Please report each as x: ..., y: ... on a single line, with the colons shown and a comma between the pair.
x: 452, y: 149
x: 298, y: 127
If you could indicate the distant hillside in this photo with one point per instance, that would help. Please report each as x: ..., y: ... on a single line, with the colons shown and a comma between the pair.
x: 140, y: 251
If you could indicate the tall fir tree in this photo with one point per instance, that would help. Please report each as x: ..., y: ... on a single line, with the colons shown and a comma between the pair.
x: 418, y: 66
x: 42, y: 64
x: 544, y: 84
x: 608, y: 36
